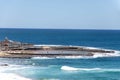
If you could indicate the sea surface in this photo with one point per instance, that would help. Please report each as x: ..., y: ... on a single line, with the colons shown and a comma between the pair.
x: 100, y: 68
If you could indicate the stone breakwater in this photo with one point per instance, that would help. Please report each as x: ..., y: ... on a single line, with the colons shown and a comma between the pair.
x: 53, y: 51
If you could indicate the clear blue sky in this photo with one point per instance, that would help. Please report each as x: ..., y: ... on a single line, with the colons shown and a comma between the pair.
x: 65, y: 14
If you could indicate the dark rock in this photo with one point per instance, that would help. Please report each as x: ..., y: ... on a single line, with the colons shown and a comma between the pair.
x: 3, y: 64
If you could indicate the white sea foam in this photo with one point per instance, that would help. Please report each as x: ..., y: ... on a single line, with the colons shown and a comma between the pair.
x: 92, y: 48
x: 69, y: 57
x: 48, y: 45
x: 117, y: 52
x: 12, y: 68
x: 97, y: 55
x: 68, y: 68
x: 11, y: 76
x: 63, y: 57
x: 42, y: 58
x: 6, y: 75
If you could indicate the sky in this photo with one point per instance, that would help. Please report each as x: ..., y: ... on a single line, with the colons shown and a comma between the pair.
x: 60, y: 14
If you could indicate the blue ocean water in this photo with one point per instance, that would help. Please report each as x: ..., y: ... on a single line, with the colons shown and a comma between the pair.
x: 104, y: 68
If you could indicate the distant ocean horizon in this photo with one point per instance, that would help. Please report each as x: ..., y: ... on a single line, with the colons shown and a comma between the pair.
x: 80, y: 37
x: 103, y: 68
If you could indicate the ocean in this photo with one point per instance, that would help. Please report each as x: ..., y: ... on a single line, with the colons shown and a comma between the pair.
x: 101, y: 68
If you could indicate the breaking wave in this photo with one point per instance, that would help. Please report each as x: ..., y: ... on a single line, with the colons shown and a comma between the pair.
x: 11, y: 76
x: 5, y: 72
x: 42, y: 58
x: 68, y: 68
x: 48, y: 45
x: 96, y: 55
x: 12, y: 68
x: 115, y: 54
x: 64, y: 57
x: 76, y: 57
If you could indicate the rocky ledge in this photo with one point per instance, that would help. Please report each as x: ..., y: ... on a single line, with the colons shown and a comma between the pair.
x: 53, y: 51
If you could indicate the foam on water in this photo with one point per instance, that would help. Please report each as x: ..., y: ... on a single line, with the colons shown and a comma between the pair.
x: 48, y: 45
x: 41, y: 58
x: 64, y: 57
x: 12, y: 68
x: 69, y: 68
x: 5, y: 72
x: 97, y: 55
x: 11, y: 76
x: 69, y: 57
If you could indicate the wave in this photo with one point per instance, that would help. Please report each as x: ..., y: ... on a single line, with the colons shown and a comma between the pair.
x: 42, y: 58
x: 63, y: 57
x: 48, y: 45
x: 97, y: 55
x: 11, y: 76
x: 7, y: 72
x: 69, y: 57
x: 13, y: 68
x: 68, y: 68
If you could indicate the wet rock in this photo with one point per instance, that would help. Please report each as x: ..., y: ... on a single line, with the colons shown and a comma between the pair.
x: 3, y: 64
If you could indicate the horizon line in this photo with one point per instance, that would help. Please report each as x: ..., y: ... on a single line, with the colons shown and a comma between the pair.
x: 61, y: 28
